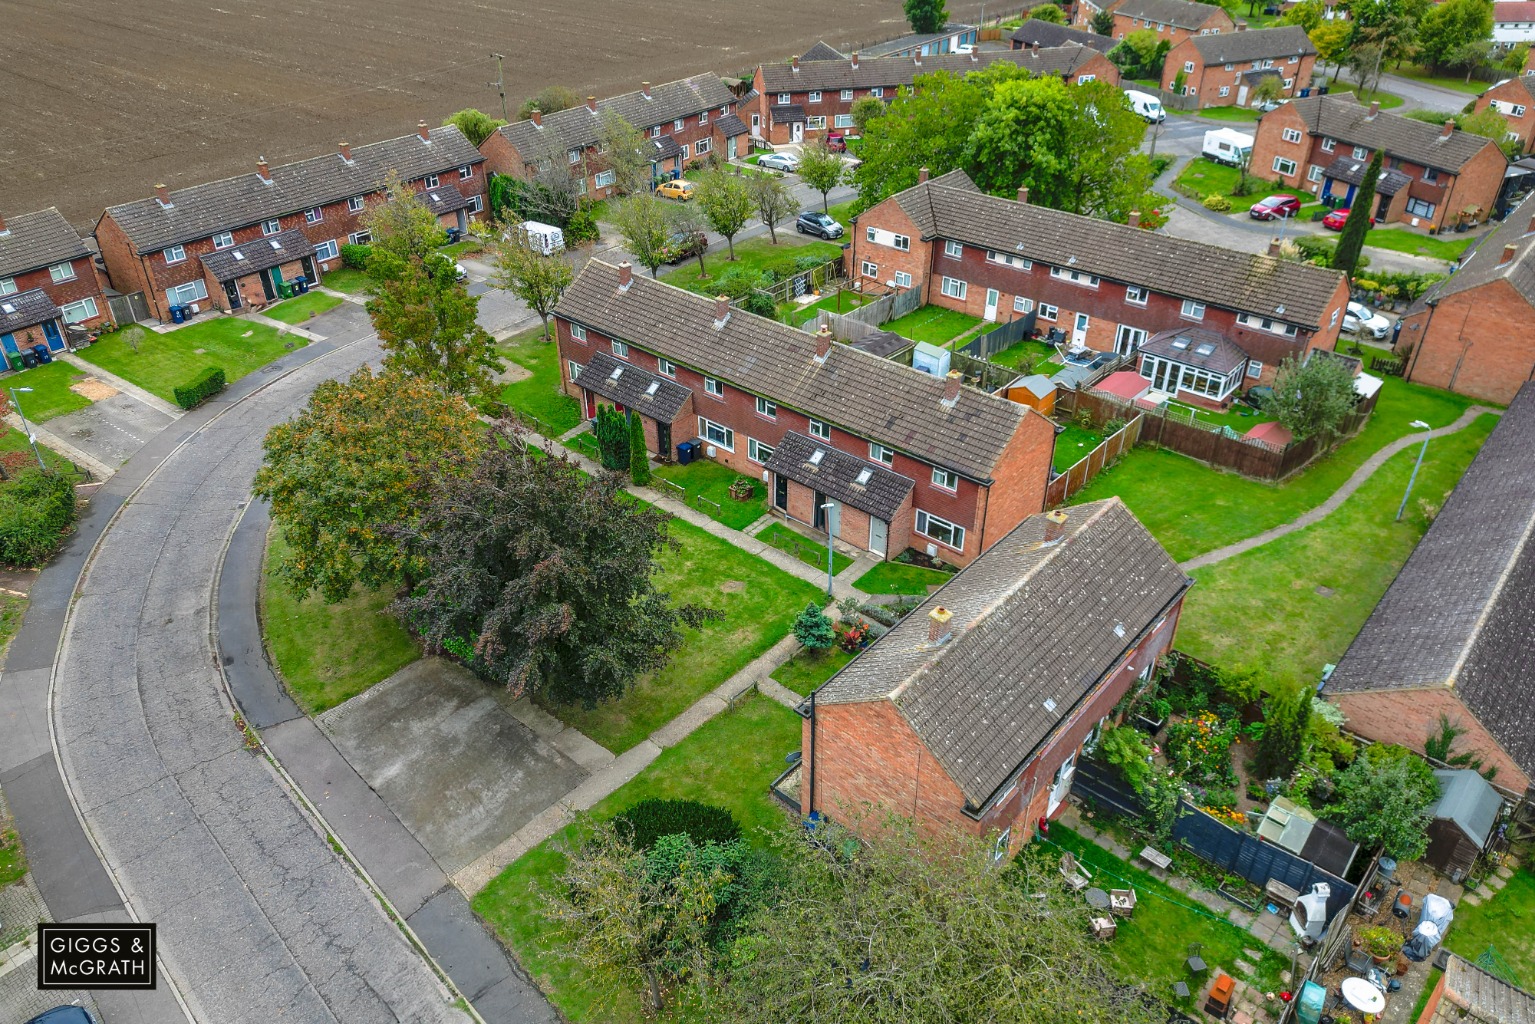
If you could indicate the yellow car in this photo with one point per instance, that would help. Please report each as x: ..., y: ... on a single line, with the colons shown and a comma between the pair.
x: 678, y: 189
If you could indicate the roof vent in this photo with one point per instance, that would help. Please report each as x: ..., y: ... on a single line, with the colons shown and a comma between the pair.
x: 1050, y: 704
x: 816, y: 456
x: 938, y: 625
x: 655, y: 386
x: 864, y: 476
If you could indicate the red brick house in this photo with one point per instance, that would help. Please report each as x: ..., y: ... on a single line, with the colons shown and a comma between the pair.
x: 1103, y: 286
x: 1432, y: 177
x: 1047, y: 34
x: 41, y: 252
x: 1173, y: 20
x: 1467, y: 994
x: 1515, y: 100
x: 970, y: 714
x: 1452, y: 635
x: 683, y: 120
x: 801, y: 98
x: 178, y: 248
x: 1224, y: 70
x: 1460, y: 334
x: 904, y: 458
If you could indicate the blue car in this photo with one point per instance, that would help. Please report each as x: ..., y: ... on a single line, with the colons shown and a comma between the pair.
x: 63, y: 1015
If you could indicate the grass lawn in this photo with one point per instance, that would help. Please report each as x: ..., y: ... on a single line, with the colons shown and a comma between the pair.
x: 842, y: 301
x: 165, y: 361
x: 50, y: 395
x: 729, y: 762
x: 711, y: 481
x: 1285, y: 609
x: 760, y: 602
x: 754, y: 254
x: 12, y: 608
x: 1388, y: 101
x: 1151, y: 946
x: 1074, y: 444
x: 464, y: 248
x: 1239, y: 417
x: 842, y: 213
x: 900, y: 578
x: 1192, y: 508
x: 1203, y: 177
x: 346, y: 279
x: 1016, y: 355
x: 806, y: 549
x: 13, y: 860
x: 1401, y: 240
x: 805, y: 671
x: 1239, y: 115
x: 13, y: 440
x: 298, y: 310
x: 326, y: 653
x: 933, y: 324
x: 1428, y: 77
x: 1505, y: 922
x: 539, y: 396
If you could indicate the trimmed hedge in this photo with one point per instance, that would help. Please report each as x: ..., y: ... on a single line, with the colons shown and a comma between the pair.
x: 200, y: 388
x: 356, y: 256
x: 653, y: 818
x: 36, y: 510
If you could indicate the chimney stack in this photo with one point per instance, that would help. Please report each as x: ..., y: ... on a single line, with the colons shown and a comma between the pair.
x: 262, y: 171
x: 1036, y: 48
x: 163, y: 194
x: 538, y: 118
x: 921, y: 175
x: 1023, y: 195
x: 1374, y: 109
x: 916, y: 59
x: 3, y: 229
x: 1509, y: 252
x: 951, y: 386
x: 1532, y: 225
x: 1274, y: 247
x: 423, y: 131
x: 591, y: 104
x: 625, y: 275
x: 794, y: 61
x: 938, y: 625
x: 822, y: 343
x: 721, y: 310
x: 346, y: 151
x: 1135, y: 219
x: 855, y: 60
x: 1055, y: 526
x: 1449, y: 129
x: 645, y: 88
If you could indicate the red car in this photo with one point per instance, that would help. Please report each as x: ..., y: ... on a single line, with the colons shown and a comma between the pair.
x: 1274, y: 207
x: 1337, y: 218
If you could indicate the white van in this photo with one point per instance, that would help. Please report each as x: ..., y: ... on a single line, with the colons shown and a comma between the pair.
x: 546, y: 238
x: 1228, y: 146
x: 1146, y: 105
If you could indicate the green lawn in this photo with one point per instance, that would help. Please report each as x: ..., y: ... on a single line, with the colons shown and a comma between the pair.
x: 711, y: 481
x: 326, y: 653
x: 1506, y: 922
x: 1074, y: 444
x: 165, y: 361
x: 50, y: 395
x: 1285, y: 609
x: 1388, y: 101
x: 1192, y: 508
x: 755, y: 254
x: 1016, y: 355
x: 539, y: 396
x: 1238, y: 115
x: 805, y: 671
x: 840, y: 301
x: 806, y: 549
x: 1413, y: 243
x: 900, y: 578
x: 842, y: 213
x: 1455, y: 82
x: 729, y: 761
x: 346, y: 279
x: 760, y: 602
x: 933, y: 324
x: 298, y: 310
x: 464, y: 248
x: 1203, y: 177
x: 1239, y: 418
x: 13, y: 440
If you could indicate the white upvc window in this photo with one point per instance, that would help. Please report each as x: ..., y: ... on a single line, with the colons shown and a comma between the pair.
x: 879, y: 453
x: 1136, y: 295
x: 314, y: 215
x: 465, y: 172
x: 955, y: 288
x: 953, y: 250
x: 1188, y: 66
x: 223, y: 240
x: 902, y: 279
x: 7, y: 286
x: 620, y: 349
x: 877, y: 92
x: 847, y: 97
x: 815, y: 122
x: 868, y: 269
x: 270, y: 227
x: 1074, y: 276
x: 1269, y: 324
x: 574, y: 367
x: 666, y: 368
x: 821, y: 429
x: 686, y: 153
x: 327, y: 250
x: 355, y: 204
x: 61, y: 272
x: 814, y: 97
x: 192, y: 291
x: 902, y: 242
x: 1360, y: 153
x: 1292, y: 135
x: 1268, y: 64
x: 842, y: 121
x: 85, y: 309
x: 1193, y: 310
x: 1328, y: 145
x: 577, y: 332
x: 175, y: 254
x: 767, y: 408
x: 945, y: 479
x: 1254, y: 368
x: 941, y: 530
x: 1225, y: 90
x: 1022, y: 305
x: 655, y: 132
x: 1009, y: 260
x: 1049, y: 312
x: 716, y: 433
x: 605, y: 178
x: 677, y: 125
x: 572, y: 156
x: 757, y: 451
x: 703, y: 117
x: 1230, y: 67
x: 783, y: 98
x: 431, y: 181
x: 1283, y: 166
x: 477, y: 204
x: 714, y: 387
x: 701, y: 147
x: 1315, y: 174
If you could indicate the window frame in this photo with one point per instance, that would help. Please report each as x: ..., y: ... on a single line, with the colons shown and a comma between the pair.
x: 577, y: 333
x: 819, y: 428
x: 868, y: 269
x: 945, y: 480
x: 465, y: 172
x: 666, y: 368
x: 813, y: 96
x: 620, y: 349
x: 878, y: 453
x: 959, y: 290
x: 314, y: 215
x: 89, y: 300
x: 604, y: 179
x: 334, y: 250
x: 714, y: 387
x: 174, y: 254
x: 8, y: 286
x: 224, y: 240
x: 754, y: 450
x: 356, y: 204
x: 574, y: 369
x: 953, y: 250
x: 1280, y: 162
x: 62, y: 272
x: 925, y: 519
x: 1045, y: 311
x: 727, y: 434
x: 1291, y: 135
x: 1192, y: 310
x: 902, y: 279
x: 270, y: 227
x: 1136, y: 295
x: 846, y: 96
x: 196, y: 285
x: 766, y: 408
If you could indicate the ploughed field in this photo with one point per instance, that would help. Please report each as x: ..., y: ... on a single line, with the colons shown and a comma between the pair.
x: 109, y: 98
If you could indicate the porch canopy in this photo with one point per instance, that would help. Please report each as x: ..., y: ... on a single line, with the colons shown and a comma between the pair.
x: 633, y: 388
x: 255, y: 256
x: 444, y: 198
x: 1351, y: 172
x: 867, y: 486
x: 26, y: 309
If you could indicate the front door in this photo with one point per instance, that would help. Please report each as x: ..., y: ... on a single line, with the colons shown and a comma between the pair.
x: 730, y: 149
x: 1241, y: 95
x: 879, y: 532
x: 820, y: 511
x: 590, y: 401
x: 232, y: 294
x: 1079, y: 331
x: 51, y: 332
x: 268, y: 289
x: 663, y: 441
x: 991, y: 303
x: 1061, y: 786
x: 781, y: 492
x: 797, y: 132
x: 9, y: 341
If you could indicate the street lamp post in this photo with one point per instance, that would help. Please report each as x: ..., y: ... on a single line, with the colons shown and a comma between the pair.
x: 831, y: 528
x: 27, y: 428
x: 1416, y: 466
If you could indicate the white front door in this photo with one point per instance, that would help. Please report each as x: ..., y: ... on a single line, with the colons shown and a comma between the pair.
x: 1062, y: 783
x: 1128, y: 339
x: 879, y: 532
x: 991, y: 303
x: 1242, y: 96
x: 1079, y: 331
x: 757, y: 124
x: 797, y: 132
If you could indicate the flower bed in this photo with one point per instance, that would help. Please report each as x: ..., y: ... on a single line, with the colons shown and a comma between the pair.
x: 1200, y: 750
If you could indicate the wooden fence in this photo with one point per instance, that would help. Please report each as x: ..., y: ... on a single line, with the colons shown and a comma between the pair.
x: 865, y: 320
x: 803, y: 282
x: 1081, y: 473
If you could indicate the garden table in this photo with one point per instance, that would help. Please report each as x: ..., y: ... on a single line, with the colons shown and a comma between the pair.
x: 1363, y: 996
x: 1097, y: 899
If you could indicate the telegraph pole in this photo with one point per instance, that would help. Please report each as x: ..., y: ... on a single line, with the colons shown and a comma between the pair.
x: 500, y: 83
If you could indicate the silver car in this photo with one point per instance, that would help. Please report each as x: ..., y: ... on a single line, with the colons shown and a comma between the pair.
x: 1361, y: 319
x: 786, y: 162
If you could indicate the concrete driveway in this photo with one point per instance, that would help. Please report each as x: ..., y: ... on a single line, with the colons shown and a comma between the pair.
x: 111, y: 429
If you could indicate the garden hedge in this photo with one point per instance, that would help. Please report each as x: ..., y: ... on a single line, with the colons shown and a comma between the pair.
x: 356, y: 256
x: 36, y: 509
x: 200, y: 388
x: 653, y: 818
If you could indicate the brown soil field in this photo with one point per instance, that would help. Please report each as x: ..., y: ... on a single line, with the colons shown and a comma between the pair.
x: 109, y: 97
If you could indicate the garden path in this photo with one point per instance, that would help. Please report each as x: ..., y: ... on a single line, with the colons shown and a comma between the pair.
x: 1338, y: 497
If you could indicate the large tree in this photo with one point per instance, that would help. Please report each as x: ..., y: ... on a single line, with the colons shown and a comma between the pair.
x: 1047, y: 13
x: 1490, y: 124
x: 362, y: 457
x: 542, y: 579
x: 820, y: 168
x: 1449, y: 26
x: 476, y: 125
x: 727, y: 204
x: 536, y: 279
x: 1351, y: 240
x: 1311, y: 398
x: 626, y: 152
x: 773, y: 200
x: 645, y: 223
x: 926, y: 16
x: 402, y: 228
x: 1308, y: 14
x: 1383, y: 800
x: 1331, y: 39
x: 925, y: 128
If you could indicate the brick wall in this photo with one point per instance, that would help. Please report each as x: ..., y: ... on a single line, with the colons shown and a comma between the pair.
x: 1476, y: 185
x: 1219, y: 21
x: 1207, y: 81
x: 1408, y: 717
x: 1464, y: 343
x: 1514, y: 93
x: 887, y: 216
x: 84, y: 285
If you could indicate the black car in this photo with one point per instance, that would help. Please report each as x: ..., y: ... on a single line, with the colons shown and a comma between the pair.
x: 823, y: 224
x: 684, y: 245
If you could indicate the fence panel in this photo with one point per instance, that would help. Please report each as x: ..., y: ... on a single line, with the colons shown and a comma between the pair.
x: 1006, y: 336
x: 1100, y: 784
x: 1254, y: 859
x: 1081, y: 473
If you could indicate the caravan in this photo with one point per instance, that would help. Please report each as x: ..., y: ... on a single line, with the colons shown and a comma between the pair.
x: 543, y: 238
x: 1227, y: 146
x: 1146, y: 105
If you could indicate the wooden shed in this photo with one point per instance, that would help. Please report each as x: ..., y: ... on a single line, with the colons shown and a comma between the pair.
x: 1035, y: 391
x: 1464, y: 815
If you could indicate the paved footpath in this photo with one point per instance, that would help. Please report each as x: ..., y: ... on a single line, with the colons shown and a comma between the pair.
x: 1339, y: 496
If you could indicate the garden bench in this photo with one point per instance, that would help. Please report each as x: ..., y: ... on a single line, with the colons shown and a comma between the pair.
x: 1157, y: 858
x: 1280, y: 893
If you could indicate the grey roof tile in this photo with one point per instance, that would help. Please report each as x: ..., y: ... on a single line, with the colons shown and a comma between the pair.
x: 867, y: 486
x: 1346, y: 119
x: 444, y: 198
x: 1485, y: 263
x: 822, y: 51
x: 889, y: 72
x: 634, y: 388
x: 1256, y: 44
x: 257, y: 255
x: 1033, y: 632
x: 1046, y: 33
x: 203, y: 210
x: 26, y: 309
x: 1197, y: 346
x: 730, y: 126
x: 786, y: 113
x: 1474, y: 996
x: 39, y: 239
x: 1178, y: 13
x: 871, y: 397
x: 1351, y: 172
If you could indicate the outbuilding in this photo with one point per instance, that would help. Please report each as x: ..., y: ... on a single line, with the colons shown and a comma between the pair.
x: 1464, y: 817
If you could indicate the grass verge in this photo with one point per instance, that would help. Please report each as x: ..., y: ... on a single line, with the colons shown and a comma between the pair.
x: 298, y: 310
x: 346, y: 279
x: 51, y: 395
x: 900, y: 578
x: 164, y: 361
x: 805, y: 671
x: 806, y: 549
x: 538, y: 395
x: 1414, y: 244
x: 1505, y: 923
x: 711, y: 481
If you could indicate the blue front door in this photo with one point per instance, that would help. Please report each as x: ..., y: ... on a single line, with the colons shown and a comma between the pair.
x: 9, y: 341
x: 1349, y: 199
x: 51, y: 332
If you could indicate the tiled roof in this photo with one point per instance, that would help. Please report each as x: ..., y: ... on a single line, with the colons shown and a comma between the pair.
x: 444, y: 198
x: 864, y: 395
x: 822, y: 51
x: 1485, y: 263
x: 39, y: 239
x: 1197, y: 346
x: 1351, y: 172
x: 634, y: 388
x: 1461, y: 613
x: 1256, y: 44
x: 1178, y: 13
x: 786, y: 113
x: 1047, y: 33
x: 731, y: 126
x: 1512, y: 12
x: 203, y: 210
x: 867, y: 486
x: 912, y: 41
x: 951, y: 207
x: 580, y: 126
x: 1035, y: 628
x: 1346, y: 119
x: 888, y: 72
x: 1474, y: 996
x: 665, y: 147
x: 257, y: 255
x: 25, y: 309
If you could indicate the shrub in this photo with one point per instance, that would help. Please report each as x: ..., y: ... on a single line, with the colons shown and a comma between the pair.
x: 652, y: 818
x: 612, y: 432
x: 200, y: 388
x: 1217, y: 203
x: 738, y: 282
x: 581, y: 226
x: 35, y: 510
x: 356, y: 256
x: 1127, y: 750
x: 639, y: 458
x: 760, y: 303
x: 805, y: 263
x: 890, y: 614
x: 813, y: 629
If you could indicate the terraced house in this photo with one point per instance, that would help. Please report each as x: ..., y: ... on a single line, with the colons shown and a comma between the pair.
x: 1226, y: 69
x: 801, y: 98
x: 1173, y: 20
x: 1514, y: 98
x: 47, y: 281
x: 683, y: 120
x: 1102, y: 286
x: 885, y: 456
x: 1432, y: 177
x: 232, y: 243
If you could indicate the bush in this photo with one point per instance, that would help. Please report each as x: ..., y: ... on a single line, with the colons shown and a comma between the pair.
x: 356, y: 256
x: 581, y: 227
x: 200, y: 388
x: 1217, y: 202
x: 652, y: 818
x: 738, y: 282
x: 35, y: 510
x: 760, y: 303
x: 1127, y: 750
x: 813, y: 629
x: 890, y: 614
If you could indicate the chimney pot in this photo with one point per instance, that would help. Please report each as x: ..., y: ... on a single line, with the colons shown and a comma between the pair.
x: 721, y: 308
x: 262, y: 170
x: 645, y: 88
x: 1274, y: 247
x: 1509, y: 252
x: 822, y: 343
x: 921, y: 175
x: 1023, y: 195
x: 591, y: 104
x: 795, y: 61
x: 423, y: 131
x: 1449, y: 129
x: 625, y: 274
x: 346, y: 151
x: 538, y: 118
x: 951, y: 386
x: 938, y: 625
x: 1055, y: 526
x: 1135, y: 218
x: 164, y: 195
x: 1374, y: 108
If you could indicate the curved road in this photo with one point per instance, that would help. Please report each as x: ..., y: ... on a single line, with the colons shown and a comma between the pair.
x: 258, y: 919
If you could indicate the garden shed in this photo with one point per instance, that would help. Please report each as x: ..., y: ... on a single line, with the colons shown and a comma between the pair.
x: 1464, y: 815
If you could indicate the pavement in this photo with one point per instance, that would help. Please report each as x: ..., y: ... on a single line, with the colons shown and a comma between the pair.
x: 1423, y: 95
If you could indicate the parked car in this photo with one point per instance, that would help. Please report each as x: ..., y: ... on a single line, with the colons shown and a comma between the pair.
x: 1361, y: 319
x: 680, y: 189
x: 63, y: 1015
x: 1274, y: 207
x: 1337, y: 218
x: 1258, y: 395
x: 823, y: 224
x: 786, y: 162
x: 458, y: 268
x: 684, y: 245
x: 836, y: 141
